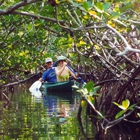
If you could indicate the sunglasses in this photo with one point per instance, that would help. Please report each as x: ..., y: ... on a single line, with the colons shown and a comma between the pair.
x: 62, y: 60
x: 48, y: 62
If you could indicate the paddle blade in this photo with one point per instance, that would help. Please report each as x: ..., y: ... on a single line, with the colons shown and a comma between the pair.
x: 35, y: 86
x: 37, y: 94
x: 34, y: 89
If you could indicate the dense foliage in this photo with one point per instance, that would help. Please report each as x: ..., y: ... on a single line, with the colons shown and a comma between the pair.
x: 102, y: 32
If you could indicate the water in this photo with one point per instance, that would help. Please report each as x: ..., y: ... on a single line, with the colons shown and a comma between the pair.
x: 52, y: 117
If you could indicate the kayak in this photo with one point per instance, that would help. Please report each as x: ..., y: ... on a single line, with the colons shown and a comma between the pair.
x: 49, y: 87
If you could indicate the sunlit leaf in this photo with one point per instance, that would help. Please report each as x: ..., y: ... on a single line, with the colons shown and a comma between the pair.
x: 10, y: 46
x: 85, y: 91
x: 126, y: 103
x: 69, y: 45
x: 82, y: 42
x: 91, y: 12
x: 86, y: 17
x: 91, y: 99
x: 79, y: 1
x: 116, y: 103
x: 57, y: 1
x: 70, y: 39
x: 83, y: 103
x: 20, y: 34
x: 96, y: 88
x: 75, y: 86
x: 138, y: 115
x: 120, y: 106
x: 79, y: 91
x: 97, y: 47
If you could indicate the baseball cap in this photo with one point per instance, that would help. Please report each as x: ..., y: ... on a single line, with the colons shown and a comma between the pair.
x: 48, y: 60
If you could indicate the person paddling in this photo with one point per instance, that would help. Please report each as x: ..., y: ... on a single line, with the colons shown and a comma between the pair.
x: 62, y: 71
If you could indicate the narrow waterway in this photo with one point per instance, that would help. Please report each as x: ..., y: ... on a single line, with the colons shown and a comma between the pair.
x: 52, y: 117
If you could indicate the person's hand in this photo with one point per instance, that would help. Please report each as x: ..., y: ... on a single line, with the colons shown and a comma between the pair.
x: 76, y: 74
x: 40, y: 79
x: 65, y: 63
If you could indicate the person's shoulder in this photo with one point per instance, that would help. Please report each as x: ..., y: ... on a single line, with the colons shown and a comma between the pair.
x: 46, y: 71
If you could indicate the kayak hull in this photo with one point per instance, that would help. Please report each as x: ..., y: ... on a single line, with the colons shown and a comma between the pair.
x: 58, y: 87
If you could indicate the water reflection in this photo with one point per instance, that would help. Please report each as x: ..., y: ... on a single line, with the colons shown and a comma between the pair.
x: 59, y: 105
x: 52, y: 117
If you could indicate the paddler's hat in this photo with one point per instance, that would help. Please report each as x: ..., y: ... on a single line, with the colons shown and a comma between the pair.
x: 61, y: 58
x: 48, y: 60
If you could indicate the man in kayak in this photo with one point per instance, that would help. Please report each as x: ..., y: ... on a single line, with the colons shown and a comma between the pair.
x: 49, y: 75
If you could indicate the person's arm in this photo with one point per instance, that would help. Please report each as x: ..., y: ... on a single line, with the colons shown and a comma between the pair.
x: 72, y: 74
x: 76, y: 74
x: 44, y: 76
x: 59, y: 72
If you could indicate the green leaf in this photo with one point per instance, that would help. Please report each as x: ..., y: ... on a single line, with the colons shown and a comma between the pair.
x: 99, y: 7
x: 85, y: 5
x: 132, y: 106
x: 96, y: 88
x: 89, y: 86
x: 119, y: 114
x: 126, y: 7
x: 106, y: 5
x: 115, y: 14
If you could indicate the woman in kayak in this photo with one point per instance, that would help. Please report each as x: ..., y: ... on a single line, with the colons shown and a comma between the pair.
x: 62, y: 70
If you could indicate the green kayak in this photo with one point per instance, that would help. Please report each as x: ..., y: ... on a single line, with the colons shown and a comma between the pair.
x: 58, y: 86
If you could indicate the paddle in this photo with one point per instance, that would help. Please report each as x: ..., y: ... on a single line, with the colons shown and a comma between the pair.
x: 34, y: 89
x: 79, y: 78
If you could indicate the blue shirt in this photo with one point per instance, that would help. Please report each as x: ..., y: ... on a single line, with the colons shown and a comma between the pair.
x: 49, y: 75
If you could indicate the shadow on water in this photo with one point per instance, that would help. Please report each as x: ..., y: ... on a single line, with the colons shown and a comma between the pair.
x: 52, y: 117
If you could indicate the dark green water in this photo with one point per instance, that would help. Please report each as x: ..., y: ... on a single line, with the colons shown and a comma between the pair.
x: 52, y: 117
